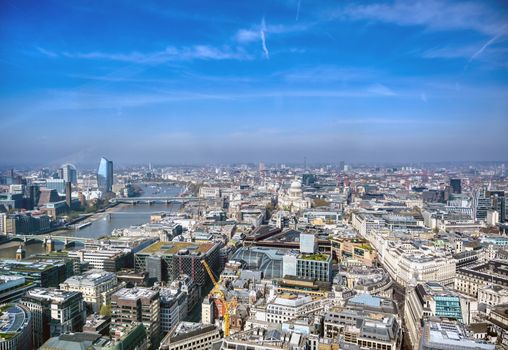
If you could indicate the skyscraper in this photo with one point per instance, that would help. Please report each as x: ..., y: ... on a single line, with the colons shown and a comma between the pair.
x: 105, y: 175
x: 68, y: 173
x: 137, y: 305
x: 456, y: 185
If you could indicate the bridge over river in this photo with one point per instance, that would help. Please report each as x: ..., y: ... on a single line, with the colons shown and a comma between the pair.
x: 153, y: 200
x: 47, y: 238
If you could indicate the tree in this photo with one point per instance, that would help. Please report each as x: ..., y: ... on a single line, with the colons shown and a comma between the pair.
x: 318, y: 202
x: 105, y: 310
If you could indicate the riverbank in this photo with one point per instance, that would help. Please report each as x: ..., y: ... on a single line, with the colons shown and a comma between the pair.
x: 123, y: 215
x: 99, y: 215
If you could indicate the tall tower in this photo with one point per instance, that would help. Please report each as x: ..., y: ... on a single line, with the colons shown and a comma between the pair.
x: 68, y: 191
x: 105, y: 175
x: 68, y: 173
x: 456, y: 186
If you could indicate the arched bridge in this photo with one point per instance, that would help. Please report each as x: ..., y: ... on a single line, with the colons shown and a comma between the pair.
x: 66, y: 240
x: 153, y: 200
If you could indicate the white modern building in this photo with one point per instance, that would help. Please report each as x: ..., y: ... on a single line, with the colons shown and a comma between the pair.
x: 95, y: 285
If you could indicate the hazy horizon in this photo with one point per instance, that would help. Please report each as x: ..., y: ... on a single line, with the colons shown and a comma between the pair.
x: 261, y: 81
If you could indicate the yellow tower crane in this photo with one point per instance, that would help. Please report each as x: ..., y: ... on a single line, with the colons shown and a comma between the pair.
x: 228, y: 307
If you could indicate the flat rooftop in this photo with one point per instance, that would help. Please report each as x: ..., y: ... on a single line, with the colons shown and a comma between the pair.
x: 90, y: 278
x: 29, y: 265
x: 135, y: 293
x: 56, y: 295
x: 171, y: 248
x: 12, y: 319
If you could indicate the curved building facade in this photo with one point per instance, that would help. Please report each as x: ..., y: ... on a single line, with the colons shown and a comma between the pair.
x: 105, y: 175
x: 15, y: 327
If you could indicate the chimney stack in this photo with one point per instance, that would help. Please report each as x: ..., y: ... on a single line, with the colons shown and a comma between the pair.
x: 68, y: 190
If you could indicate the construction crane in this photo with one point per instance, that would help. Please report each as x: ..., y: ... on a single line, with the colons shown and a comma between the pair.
x: 227, y: 307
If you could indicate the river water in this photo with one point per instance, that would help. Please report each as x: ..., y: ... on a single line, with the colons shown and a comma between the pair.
x: 121, y: 216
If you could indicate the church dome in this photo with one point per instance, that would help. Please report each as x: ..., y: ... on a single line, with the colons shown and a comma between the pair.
x: 296, y: 184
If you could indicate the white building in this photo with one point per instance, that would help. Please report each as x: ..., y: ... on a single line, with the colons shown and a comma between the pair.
x: 173, y: 308
x: 293, y: 200
x: 287, y: 307
x: 102, y: 259
x: 95, y: 285
x: 191, y: 336
x: 492, y: 295
x: 408, y: 264
x: 209, y: 192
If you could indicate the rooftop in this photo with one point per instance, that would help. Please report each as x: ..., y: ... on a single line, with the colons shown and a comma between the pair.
x: 316, y: 257
x: 13, y: 319
x: 90, y: 278
x: 171, y: 248
x: 55, y: 295
x: 77, y: 341
x: 135, y: 293
x: 28, y: 265
x: 439, y: 334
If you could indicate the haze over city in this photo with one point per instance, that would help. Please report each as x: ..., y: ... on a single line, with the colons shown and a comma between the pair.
x: 248, y: 81
x: 254, y: 175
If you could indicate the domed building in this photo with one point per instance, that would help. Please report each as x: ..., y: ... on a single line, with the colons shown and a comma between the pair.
x: 295, y: 190
x: 293, y: 199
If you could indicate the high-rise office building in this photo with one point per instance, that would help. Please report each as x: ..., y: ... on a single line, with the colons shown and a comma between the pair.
x: 426, y: 300
x: 56, y: 184
x: 31, y: 195
x: 481, y: 204
x: 456, y: 186
x: 137, y: 305
x: 54, y: 312
x: 68, y: 173
x: 105, y: 175
x: 95, y: 285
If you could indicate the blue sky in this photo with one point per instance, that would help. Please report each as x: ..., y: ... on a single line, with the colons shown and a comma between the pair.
x: 272, y: 81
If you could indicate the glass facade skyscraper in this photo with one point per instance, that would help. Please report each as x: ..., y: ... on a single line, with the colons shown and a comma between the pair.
x: 69, y: 173
x: 105, y: 175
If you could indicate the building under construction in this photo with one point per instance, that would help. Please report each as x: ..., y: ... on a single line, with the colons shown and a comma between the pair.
x: 165, y: 261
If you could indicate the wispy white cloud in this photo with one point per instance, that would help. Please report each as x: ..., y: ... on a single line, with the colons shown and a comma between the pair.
x: 247, y: 35
x: 381, y: 90
x: 171, y: 53
x: 423, y: 97
x: 447, y: 52
x: 326, y: 73
x: 259, y: 33
x: 484, y: 46
x: 495, y: 56
x: 431, y: 14
x: 263, y: 39
x: 385, y: 121
x: 90, y: 99
x: 463, y: 51
x: 46, y: 52
x: 298, y: 9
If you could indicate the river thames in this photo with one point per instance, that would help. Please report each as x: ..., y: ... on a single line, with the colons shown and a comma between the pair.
x: 102, y: 224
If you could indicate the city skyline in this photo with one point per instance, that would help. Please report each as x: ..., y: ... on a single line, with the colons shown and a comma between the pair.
x: 261, y: 175
x: 195, y: 83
